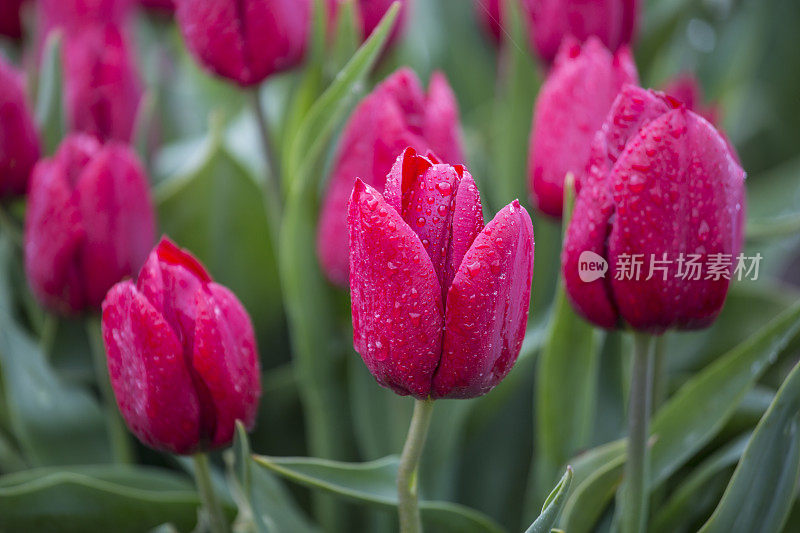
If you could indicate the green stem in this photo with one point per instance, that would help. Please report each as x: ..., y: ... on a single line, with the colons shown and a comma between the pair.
x: 634, y: 495
x: 407, y: 489
x: 118, y: 434
x: 272, y: 182
x: 660, y: 381
x: 202, y: 475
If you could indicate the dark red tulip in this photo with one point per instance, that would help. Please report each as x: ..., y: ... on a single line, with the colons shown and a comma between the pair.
x: 103, y: 89
x: 395, y: 115
x: 663, y: 185
x: 182, y: 355
x: 612, y: 21
x: 10, y: 20
x: 19, y: 139
x: 370, y: 13
x: 439, y: 301
x: 247, y: 40
x: 89, y: 223
x: 570, y: 108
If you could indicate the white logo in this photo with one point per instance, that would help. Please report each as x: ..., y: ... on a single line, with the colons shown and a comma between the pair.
x: 591, y: 266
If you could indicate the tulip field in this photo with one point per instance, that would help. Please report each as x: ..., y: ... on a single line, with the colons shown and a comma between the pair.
x: 459, y: 266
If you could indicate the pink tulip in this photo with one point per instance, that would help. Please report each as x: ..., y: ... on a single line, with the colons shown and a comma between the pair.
x: 19, y: 138
x: 663, y: 183
x: 439, y: 301
x: 370, y: 13
x: 182, y: 355
x: 245, y: 41
x: 89, y: 223
x: 395, y: 115
x: 569, y: 110
x: 74, y: 15
x: 612, y: 21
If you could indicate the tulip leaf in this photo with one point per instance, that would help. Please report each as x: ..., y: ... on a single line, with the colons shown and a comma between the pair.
x: 696, y: 496
x: 347, y: 34
x: 694, y: 414
x: 50, y: 113
x: 54, y: 422
x: 586, y: 504
x: 552, y: 505
x: 263, y: 502
x: 375, y: 484
x: 761, y: 492
x: 96, y: 498
x: 215, y: 210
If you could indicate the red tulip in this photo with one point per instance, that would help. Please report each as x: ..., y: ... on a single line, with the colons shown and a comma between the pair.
x: 440, y: 301
x: 570, y: 108
x: 19, y: 139
x: 10, y: 20
x: 662, y: 185
x: 370, y: 14
x: 687, y: 89
x: 182, y: 355
x: 247, y: 40
x: 89, y: 223
x: 395, y: 115
x: 103, y: 89
x: 612, y: 21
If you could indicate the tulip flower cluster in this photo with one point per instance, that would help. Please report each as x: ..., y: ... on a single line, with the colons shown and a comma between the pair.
x: 19, y: 138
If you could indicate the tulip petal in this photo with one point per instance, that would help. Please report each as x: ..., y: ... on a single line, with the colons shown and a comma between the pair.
x: 467, y: 223
x: 487, y: 307
x: 396, y: 296
x: 148, y: 372
x: 19, y: 138
x: 677, y: 191
x: 54, y: 234
x: 225, y: 359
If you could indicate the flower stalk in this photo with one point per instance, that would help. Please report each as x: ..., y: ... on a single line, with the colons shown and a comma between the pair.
x: 213, y: 510
x: 407, y: 486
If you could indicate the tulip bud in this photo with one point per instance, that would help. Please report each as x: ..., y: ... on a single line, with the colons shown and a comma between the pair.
x: 395, y: 115
x: 10, y: 20
x: 370, y: 14
x: 439, y: 301
x: 570, y: 108
x: 19, y: 139
x: 182, y: 355
x: 89, y: 223
x: 662, y: 185
x: 247, y: 40
x: 103, y: 89
x: 612, y: 21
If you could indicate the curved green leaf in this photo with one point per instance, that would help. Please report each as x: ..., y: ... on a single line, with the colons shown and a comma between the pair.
x: 759, y: 497
x: 374, y: 483
x: 95, y: 498
x: 586, y: 504
x: 552, y: 505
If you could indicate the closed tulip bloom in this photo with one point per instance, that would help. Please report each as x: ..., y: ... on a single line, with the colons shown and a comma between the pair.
x: 245, y: 41
x: 397, y: 114
x: 662, y: 185
x: 370, y: 13
x: 89, y: 223
x: 611, y: 21
x: 439, y: 301
x: 103, y: 89
x: 19, y: 138
x: 570, y: 108
x: 182, y: 355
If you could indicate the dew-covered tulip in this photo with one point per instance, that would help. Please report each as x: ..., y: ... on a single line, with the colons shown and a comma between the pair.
x: 10, y: 18
x: 246, y: 40
x: 397, y: 114
x: 370, y: 13
x: 89, y: 223
x: 19, y: 138
x: 182, y: 355
x: 662, y: 189
x: 612, y: 21
x: 439, y: 301
x: 570, y: 108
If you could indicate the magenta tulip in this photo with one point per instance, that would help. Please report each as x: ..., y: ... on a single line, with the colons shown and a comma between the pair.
x: 89, y: 223
x: 612, y: 21
x: 74, y: 15
x: 245, y: 41
x: 439, y: 301
x: 570, y: 108
x: 397, y: 114
x: 662, y: 189
x: 19, y: 138
x: 182, y: 355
